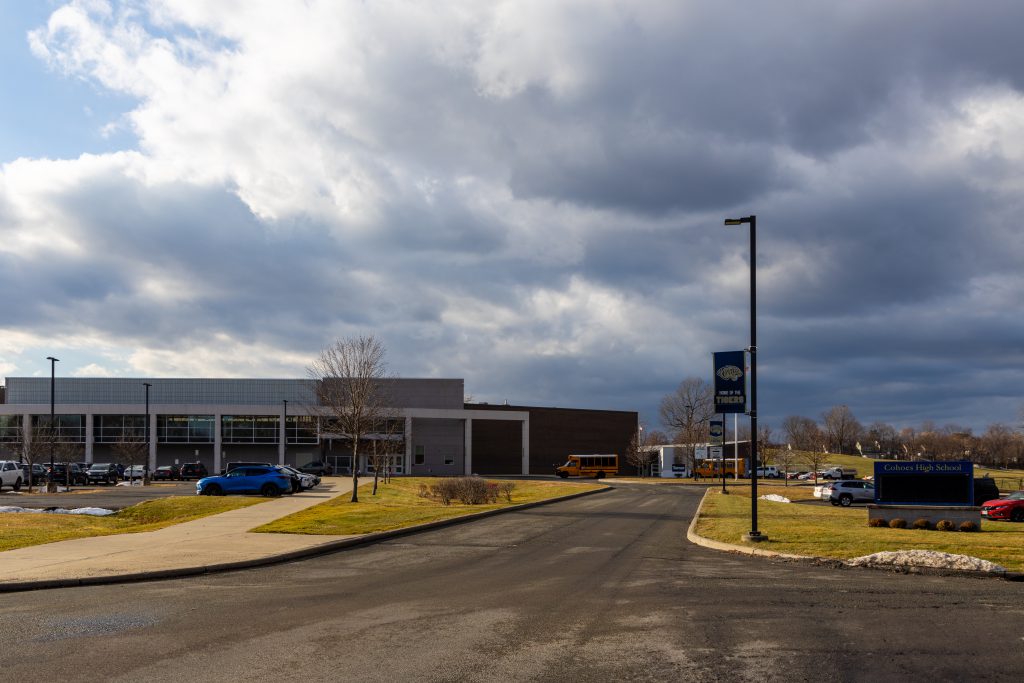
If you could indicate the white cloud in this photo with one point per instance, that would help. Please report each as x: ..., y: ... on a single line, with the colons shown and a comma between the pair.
x: 522, y: 192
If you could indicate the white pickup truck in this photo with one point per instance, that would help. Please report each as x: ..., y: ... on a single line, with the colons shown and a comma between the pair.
x: 839, y: 473
x: 10, y: 475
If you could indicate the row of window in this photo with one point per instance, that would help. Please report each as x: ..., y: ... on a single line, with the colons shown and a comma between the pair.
x: 249, y: 429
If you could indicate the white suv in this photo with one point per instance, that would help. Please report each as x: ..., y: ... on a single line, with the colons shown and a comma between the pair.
x: 846, y: 493
x: 10, y: 474
x: 768, y: 472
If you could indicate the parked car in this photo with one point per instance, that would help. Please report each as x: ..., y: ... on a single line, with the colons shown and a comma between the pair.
x: 846, y: 493
x: 838, y: 473
x: 306, y: 481
x: 135, y: 472
x: 192, y: 470
x: 294, y: 475
x: 38, y: 473
x: 985, y: 489
x: 102, y: 473
x: 1010, y: 508
x: 267, y: 481
x: 317, y: 467
x: 796, y: 475
x: 234, y: 465
x: 165, y: 473
x: 768, y: 472
x: 11, y: 475
x: 64, y: 473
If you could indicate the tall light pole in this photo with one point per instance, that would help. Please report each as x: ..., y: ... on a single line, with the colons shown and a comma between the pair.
x: 53, y: 429
x: 148, y: 449
x: 754, y: 534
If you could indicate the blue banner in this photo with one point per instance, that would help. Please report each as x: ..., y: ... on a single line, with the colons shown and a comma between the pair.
x: 730, y: 382
x: 716, y: 430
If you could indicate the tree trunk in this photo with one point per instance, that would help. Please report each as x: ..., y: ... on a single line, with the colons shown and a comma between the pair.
x: 355, y: 470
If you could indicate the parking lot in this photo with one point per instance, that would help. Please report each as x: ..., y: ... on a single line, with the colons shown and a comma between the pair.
x: 110, y: 497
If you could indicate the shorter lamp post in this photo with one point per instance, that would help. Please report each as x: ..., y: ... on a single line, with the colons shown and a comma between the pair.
x: 51, y: 484
x: 284, y: 433
x: 145, y: 468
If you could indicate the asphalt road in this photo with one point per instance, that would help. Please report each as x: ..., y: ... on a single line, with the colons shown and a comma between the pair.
x: 110, y: 497
x: 602, y: 588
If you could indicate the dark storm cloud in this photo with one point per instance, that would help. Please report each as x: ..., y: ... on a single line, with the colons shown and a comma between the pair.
x: 575, y: 226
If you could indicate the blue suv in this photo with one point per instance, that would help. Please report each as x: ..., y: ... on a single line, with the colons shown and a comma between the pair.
x: 266, y: 481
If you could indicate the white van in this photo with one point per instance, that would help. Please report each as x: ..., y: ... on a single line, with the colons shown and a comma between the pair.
x: 768, y: 472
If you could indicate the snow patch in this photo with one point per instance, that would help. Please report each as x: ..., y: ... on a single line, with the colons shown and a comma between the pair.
x: 924, y: 558
x: 98, y: 512
x: 775, y: 498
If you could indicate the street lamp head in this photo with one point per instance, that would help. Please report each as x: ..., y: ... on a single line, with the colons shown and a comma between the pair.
x: 146, y: 384
x: 52, y: 359
x: 738, y: 221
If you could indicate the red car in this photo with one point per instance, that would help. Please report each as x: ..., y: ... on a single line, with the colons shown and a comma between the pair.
x: 1011, y: 507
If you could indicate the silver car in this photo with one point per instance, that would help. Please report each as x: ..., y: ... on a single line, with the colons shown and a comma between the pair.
x: 846, y: 493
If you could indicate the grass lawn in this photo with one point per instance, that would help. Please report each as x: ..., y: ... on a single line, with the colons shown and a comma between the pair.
x: 822, y: 530
x: 398, y: 505
x: 21, y: 529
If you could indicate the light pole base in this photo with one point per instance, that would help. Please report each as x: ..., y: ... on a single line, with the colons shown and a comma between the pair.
x: 755, y: 537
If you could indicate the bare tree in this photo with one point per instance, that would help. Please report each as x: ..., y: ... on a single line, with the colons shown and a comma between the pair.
x: 640, y: 452
x: 32, y: 447
x: 883, y: 437
x: 841, y: 428
x: 384, y: 448
x: 350, y: 392
x: 815, y: 460
x: 130, y: 451
x: 765, y: 449
x: 998, y: 442
x: 785, y: 457
x: 687, y: 411
x: 802, y: 433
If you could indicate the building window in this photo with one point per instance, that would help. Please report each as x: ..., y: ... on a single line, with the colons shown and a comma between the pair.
x: 449, y: 460
x: 10, y: 428
x: 302, y: 429
x: 67, y: 428
x: 184, y: 429
x: 249, y: 428
x: 420, y: 456
x: 115, y: 428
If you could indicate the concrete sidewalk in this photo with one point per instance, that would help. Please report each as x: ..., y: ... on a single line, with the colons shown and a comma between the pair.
x: 213, y: 540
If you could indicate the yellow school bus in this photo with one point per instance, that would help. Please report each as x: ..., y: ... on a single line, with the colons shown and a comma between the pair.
x: 713, y: 468
x: 596, y: 466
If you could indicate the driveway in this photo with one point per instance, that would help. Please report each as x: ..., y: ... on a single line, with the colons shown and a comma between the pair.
x: 601, y: 588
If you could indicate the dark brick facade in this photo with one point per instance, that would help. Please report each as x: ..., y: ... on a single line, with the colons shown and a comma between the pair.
x: 555, y: 433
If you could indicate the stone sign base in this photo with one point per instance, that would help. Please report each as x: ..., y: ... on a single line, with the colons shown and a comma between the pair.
x: 933, y: 513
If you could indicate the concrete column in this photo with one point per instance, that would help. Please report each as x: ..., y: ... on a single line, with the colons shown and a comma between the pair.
x: 152, y: 442
x: 216, y: 444
x: 408, y: 446
x: 282, y: 442
x: 89, y: 440
x: 468, y: 450
x: 526, y: 446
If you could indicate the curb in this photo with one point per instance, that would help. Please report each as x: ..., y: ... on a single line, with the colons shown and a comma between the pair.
x: 281, y: 558
x: 693, y: 537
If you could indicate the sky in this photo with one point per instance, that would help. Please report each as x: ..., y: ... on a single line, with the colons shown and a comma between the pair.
x: 529, y: 195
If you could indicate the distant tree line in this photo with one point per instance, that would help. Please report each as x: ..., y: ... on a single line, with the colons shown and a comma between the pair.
x: 839, y: 431
x: 686, y: 411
